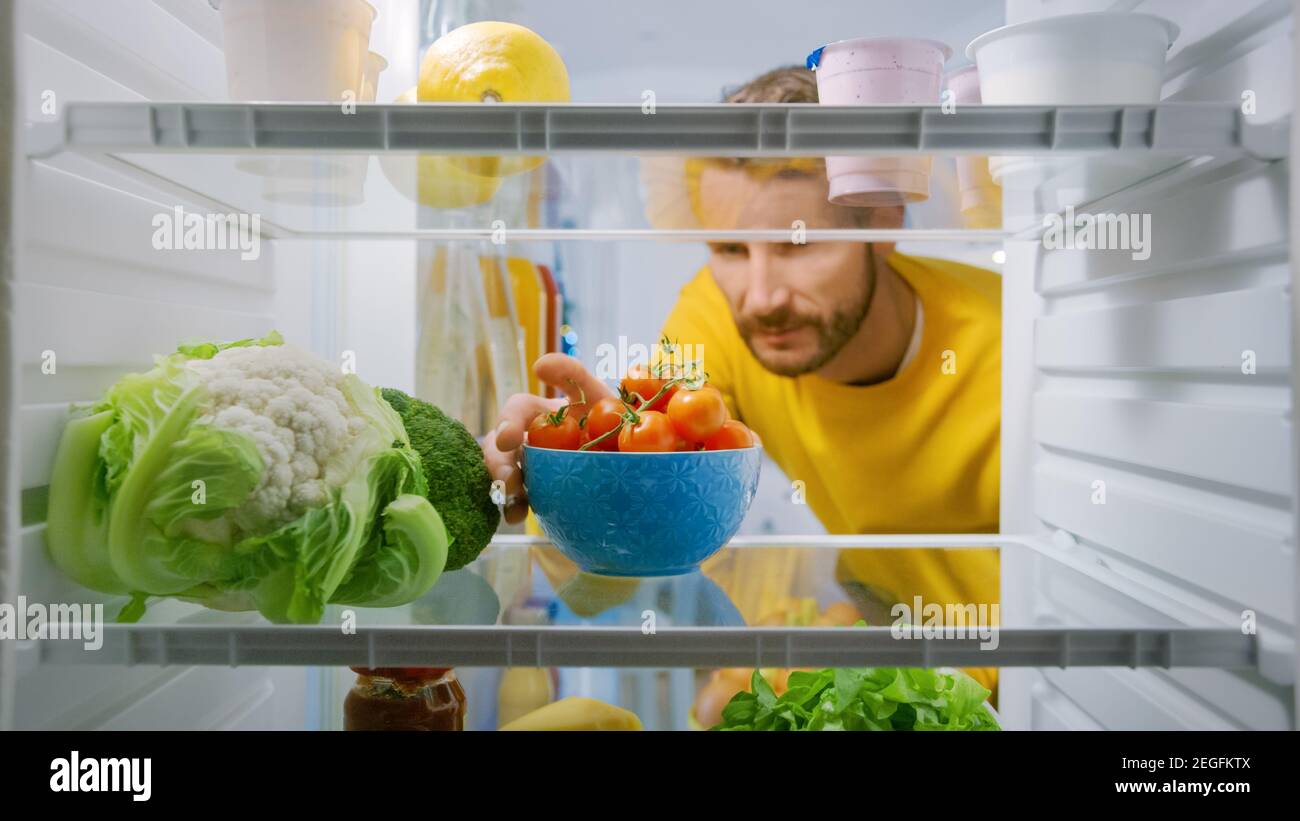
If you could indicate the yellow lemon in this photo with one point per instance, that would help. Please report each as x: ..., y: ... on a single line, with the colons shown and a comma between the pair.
x: 434, y: 179
x: 494, y: 63
x: 589, y: 595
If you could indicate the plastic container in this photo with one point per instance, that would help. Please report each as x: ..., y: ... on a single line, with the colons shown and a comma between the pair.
x: 1098, y: 58
x: 1102, y: 58
x: 304, y: 51
x: 981, y: 197
x: 879, y: 71
x: 375, y: 65
x: 295, y: 50
x: 325, y: 181
x: 451, y: 350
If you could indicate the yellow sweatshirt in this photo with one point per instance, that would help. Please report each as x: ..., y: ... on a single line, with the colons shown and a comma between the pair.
x: 917, y: 453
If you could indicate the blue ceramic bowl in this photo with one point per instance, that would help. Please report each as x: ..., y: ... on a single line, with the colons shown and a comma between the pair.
x: 640, y: 514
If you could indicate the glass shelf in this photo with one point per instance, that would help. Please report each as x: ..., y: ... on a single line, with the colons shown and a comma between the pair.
x: 612, y: 172
x: 767, y: 602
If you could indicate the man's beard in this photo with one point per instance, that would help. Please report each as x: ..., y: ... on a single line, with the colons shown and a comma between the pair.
x: 833, y: 332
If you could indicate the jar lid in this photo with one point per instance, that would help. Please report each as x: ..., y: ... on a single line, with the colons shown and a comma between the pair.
x: 403, y: 673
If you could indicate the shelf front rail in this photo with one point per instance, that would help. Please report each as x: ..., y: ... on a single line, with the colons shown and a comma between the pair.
x: 757, y: 130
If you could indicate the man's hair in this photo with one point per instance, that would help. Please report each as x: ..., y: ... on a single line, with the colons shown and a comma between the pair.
x: 788, y: 84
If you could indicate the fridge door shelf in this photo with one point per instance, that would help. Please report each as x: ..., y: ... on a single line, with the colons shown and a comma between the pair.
x: 523, y: 604
x: 757, y: 130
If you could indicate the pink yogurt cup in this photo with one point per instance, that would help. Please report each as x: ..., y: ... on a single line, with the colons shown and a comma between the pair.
x: 879, y: 71
x: 981, y: 198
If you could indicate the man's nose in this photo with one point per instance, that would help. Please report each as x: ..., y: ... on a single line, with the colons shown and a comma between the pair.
x: 764, y: 291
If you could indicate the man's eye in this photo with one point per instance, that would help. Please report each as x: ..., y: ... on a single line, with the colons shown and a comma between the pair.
x: 730, y: 249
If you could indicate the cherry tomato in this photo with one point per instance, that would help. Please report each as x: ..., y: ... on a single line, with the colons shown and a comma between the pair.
x: 652, y: 433
x: 603, y: 417
x: 698, y: 414
x: 731, y: 436
x: 558, y: 431
x: 640, y: 381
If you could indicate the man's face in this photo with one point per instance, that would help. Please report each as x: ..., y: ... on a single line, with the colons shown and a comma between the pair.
x: 795, y: 305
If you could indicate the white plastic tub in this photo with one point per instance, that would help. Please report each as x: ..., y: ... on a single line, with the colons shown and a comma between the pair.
x: 295, y: 50
x: 1099, y: 58
x: 310, y: 51
x: 325, y: 181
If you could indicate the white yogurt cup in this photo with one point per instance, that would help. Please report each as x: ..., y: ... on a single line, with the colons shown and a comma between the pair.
x: 879, y: 71
x: 981, y: 197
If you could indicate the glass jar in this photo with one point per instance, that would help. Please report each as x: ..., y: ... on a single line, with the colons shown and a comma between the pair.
x: 405, y: 698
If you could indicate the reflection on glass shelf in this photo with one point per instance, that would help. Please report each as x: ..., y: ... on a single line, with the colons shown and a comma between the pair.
x: 790, y: 582
x: 609, y: 197
x: 529, y: 582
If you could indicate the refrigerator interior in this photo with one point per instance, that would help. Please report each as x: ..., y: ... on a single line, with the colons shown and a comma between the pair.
x: 1117, y: 378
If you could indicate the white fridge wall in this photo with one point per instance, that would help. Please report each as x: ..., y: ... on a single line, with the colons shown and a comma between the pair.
x: 1130, y: 374
x: 92, y: 289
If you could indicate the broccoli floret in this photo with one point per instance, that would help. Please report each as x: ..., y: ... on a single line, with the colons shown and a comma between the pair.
x: 459, y: 483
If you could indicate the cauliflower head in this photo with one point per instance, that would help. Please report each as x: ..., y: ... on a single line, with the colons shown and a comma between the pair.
x: 245, y: 475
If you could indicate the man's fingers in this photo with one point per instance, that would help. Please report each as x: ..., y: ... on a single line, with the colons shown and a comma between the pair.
x: 507, y: 479
x: 568, y: 374
x: 501, y: 449
x: 501, y: 446
x: 516, y: 512
x: 518, y: 412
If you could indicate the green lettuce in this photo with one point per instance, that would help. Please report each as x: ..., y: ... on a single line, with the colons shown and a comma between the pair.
x: 863, y: 698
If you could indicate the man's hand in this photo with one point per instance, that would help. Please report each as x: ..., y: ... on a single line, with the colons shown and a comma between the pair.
x: 501, y: 446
